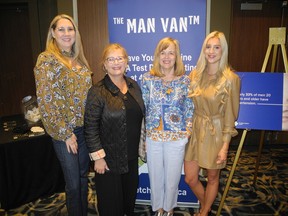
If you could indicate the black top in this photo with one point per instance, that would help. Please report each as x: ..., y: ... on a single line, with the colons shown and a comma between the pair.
x: 134, y: 119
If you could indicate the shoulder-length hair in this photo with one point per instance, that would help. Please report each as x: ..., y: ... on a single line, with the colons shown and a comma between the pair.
x: 223, y: 64
x: 77, y: 48
x: 110, y: 48
x: 162, y: 45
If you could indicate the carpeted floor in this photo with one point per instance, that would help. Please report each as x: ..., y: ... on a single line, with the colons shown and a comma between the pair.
x: 269, y: 196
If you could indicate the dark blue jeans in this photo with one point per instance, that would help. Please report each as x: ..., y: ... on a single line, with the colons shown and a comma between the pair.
x: 75, y: 169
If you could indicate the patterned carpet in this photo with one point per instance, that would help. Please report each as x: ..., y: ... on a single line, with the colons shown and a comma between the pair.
x: 269, y: 196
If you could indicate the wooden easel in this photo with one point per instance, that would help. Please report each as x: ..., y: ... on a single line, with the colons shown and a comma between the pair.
x: 276, y: 37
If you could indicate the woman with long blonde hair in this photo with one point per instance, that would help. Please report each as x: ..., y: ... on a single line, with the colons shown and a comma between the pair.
x: 215, y: 91
x: 63, y: 78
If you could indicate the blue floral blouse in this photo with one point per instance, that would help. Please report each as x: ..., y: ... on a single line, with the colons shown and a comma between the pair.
x: 168, y: 109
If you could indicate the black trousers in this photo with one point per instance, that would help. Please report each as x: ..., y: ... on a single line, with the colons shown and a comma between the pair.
x: 116, y: 193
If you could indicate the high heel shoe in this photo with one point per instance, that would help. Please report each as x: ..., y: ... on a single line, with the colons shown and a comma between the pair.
x: 168, y: 214
x: 158, y: 213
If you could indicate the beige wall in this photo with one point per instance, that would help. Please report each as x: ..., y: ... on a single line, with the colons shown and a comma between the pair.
x: 220, y: 16
x: 65, y: 7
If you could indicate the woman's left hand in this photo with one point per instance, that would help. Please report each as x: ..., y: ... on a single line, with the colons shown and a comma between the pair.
x: 100, y: 166
x: 222, y: 156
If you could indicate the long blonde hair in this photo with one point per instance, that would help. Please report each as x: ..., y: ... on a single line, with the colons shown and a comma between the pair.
x: 223, y: 64
x: 162, y: 45
x: 77, y: 48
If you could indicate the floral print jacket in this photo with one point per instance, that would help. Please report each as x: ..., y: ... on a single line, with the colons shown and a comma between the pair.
x: 169, y: 111
x: 61, y: 95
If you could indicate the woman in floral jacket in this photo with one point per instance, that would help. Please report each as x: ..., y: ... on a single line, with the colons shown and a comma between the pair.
x: 168, y: 123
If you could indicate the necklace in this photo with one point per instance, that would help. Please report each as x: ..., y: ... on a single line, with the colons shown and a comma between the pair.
x: 69, y: 54
x: 167, y: 84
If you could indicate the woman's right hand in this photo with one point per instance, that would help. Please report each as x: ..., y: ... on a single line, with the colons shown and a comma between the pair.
x: 100, y: 166
x: 71, y: 144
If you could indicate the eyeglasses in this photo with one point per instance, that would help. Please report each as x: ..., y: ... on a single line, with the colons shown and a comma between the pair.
x: 68, y: 29
x: 112, y: 60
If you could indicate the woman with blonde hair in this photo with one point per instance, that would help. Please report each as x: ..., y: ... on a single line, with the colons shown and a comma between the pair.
x: 63, y: 78
x: 168, y: 123
x: 215, y: 91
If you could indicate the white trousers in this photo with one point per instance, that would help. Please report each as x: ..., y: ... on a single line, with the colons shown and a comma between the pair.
x: 165, y: 162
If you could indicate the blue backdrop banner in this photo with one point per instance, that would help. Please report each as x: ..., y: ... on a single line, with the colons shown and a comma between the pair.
x: 139, y: 25
x: 186, y: 198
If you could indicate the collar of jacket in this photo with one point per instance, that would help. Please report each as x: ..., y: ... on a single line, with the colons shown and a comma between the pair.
x: 112, y: 87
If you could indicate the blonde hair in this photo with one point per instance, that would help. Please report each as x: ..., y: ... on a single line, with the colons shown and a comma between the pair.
x: 77, y: 48
x: 162, y: 45
x: 108, y: 49
x: 223, y: 64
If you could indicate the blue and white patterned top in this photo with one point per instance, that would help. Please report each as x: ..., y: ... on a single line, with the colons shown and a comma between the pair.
x: 169, y: 111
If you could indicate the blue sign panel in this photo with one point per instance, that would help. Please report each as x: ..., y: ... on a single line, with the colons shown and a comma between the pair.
x: 261, y: 101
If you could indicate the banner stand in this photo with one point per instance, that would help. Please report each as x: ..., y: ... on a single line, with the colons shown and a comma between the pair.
x: 232, y: 171
x: 276, y: 37
x: 258, y: 156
